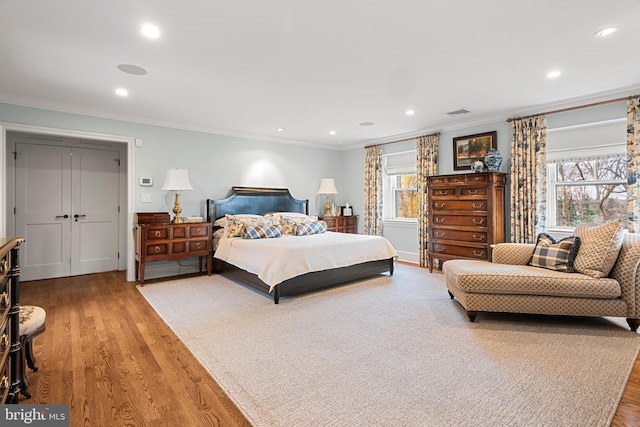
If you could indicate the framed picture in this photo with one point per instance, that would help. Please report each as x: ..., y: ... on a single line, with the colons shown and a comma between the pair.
x: 468, y: 149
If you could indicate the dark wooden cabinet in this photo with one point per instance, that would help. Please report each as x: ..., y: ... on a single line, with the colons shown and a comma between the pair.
x: 172, y: 242
x: 342, y: 224
x: 9, y: 320
x: 466, y: 215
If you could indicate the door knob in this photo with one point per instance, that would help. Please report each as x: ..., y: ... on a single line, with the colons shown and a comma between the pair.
x: 76, y: 216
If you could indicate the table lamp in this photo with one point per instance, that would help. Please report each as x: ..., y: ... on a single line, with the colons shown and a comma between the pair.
x: 327, y: 187
x: 177, y: 180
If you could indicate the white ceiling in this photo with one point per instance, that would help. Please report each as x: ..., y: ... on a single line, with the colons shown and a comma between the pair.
x: 247, y: 67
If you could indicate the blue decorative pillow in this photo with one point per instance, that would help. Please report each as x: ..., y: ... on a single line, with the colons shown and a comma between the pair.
x: 306, y: 228
x: 555, y: 255
x: 261, y: 231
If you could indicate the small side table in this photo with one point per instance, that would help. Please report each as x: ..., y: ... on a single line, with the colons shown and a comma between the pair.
x: 342, y: 224
x: 172, y: 242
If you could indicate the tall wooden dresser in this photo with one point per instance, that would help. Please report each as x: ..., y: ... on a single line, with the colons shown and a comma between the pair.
x: 9, y: 320
x: 466, y: 215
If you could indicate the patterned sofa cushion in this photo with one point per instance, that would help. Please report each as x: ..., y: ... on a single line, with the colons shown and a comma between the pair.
x: 553, y: 254
x: 599, y: 248
x: 486, y: 277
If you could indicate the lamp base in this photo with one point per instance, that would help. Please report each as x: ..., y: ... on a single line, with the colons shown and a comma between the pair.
x: 177, y: 210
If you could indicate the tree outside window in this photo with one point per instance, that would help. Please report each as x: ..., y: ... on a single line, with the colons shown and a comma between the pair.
x: 405, y: 196
x: 589, y: 190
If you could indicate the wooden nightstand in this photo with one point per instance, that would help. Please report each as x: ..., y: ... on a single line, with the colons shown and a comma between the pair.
x: 342, y: 224
x: 172, y: 242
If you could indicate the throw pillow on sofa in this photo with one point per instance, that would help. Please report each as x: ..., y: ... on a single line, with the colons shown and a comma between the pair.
x: 599, y: 248
x: 558, y: 255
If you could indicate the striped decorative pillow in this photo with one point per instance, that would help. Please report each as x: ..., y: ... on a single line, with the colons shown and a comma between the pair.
x: 261, y: 231
x: 306, y: 228
x: 555, y: 255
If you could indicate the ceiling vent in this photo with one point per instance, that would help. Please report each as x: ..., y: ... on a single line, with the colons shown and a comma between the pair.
x: 458, y: 112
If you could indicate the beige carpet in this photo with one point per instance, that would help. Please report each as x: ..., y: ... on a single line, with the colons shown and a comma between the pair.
x: 396, y: 351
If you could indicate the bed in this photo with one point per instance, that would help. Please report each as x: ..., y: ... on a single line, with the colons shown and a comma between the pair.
x: 263, y: 201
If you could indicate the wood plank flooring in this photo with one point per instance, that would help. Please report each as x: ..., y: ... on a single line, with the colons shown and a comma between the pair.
x: 107, y: 354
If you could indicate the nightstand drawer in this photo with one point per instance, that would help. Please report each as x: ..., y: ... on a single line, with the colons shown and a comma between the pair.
x: 161, y: 233
x: 198, y: 245
x: 159, y: 249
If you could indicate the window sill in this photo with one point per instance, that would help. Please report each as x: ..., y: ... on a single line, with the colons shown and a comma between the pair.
x: 400, y: 223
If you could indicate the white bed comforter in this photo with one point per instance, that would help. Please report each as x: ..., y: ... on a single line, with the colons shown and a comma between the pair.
x: 277, y: 260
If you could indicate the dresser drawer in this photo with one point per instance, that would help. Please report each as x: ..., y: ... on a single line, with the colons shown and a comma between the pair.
x: 198, y: 231
x: 444, y: 192
x: 157, y: 233
x: 463, y: 236
x: 158, y: 249
x: 198, y: 245
x: 460, y: 220
x: 474, y: 191
x: 459, y: 205
x: 462, y: 251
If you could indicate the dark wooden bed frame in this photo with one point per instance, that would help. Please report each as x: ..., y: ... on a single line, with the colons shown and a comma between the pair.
x: 260, y: 201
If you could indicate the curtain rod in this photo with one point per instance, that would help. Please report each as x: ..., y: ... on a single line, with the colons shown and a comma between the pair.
x: 562, y: 110
x: 402, y: 140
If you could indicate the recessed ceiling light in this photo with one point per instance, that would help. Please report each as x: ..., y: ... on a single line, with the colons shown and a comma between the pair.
x: 410, y: 112
x: 150, y: 30
x: 332, y: 132
x: 605, y: 32
x: 280, y: 129
x: 132, y: 69
x: 122, y: 92
x: 366, y: 124
x: 554, y: 74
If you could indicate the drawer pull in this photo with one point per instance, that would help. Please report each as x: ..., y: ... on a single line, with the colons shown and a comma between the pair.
x: 439, y: 220
x: 199, y: 231
x: 157, y: 249
x: 440, y: 234
x: 4, y: 299
x: 439, y: 205
x: 478, y: 237
x: 478, y: 221
x: 198, y: 245
x: 4, y: 341
x: 481, y: 253
x: 477, y: 205
x: 4, y: 383
x: 473, y: 191
x: 443, y: 192
x: 158, y: 233
x: 440, y: 248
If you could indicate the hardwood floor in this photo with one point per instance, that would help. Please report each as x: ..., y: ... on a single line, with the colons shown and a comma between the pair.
x: 107, y: 354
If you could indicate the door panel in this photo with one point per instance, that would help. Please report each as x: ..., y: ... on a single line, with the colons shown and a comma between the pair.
x: 43, y: 197
x: 94, y: 232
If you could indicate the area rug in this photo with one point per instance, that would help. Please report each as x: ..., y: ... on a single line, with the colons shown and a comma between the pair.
x: 396, y: 351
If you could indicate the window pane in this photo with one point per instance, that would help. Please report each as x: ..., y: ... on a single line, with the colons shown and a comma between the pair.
x: 406, y: 181
x: 590, y: 203
x: 406, y: 203
x: 604, y: 169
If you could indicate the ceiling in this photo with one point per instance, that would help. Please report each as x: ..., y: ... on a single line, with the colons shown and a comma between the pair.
x: 247, y: 68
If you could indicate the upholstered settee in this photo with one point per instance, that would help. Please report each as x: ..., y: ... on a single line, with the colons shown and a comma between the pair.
x: 509, y: 284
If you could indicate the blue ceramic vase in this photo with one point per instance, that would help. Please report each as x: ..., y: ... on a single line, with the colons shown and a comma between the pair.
x: 493, y: 160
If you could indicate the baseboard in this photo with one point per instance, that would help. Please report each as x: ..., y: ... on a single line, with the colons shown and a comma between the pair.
x: 409, y: 257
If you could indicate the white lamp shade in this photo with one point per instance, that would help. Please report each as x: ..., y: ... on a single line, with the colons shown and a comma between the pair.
x: 327, y: 186
x: 177, y: 180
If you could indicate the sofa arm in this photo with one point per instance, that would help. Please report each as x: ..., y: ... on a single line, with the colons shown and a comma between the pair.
x: 512, y: 253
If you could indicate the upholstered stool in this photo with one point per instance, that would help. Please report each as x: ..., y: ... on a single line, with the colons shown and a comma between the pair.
x: 32, y: 323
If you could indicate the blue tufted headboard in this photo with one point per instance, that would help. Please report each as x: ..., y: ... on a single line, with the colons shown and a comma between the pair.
x: 255, y: 200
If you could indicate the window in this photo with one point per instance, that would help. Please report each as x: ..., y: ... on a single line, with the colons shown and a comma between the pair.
x: 587, y: 182
x: 400, y: 195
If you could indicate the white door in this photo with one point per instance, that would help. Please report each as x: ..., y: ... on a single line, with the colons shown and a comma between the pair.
x: 67, y: 210
x: 43, y: 210
x: 94, y: 221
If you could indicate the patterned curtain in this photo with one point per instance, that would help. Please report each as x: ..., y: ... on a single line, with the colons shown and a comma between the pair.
x: 528, y: 178
x: 373, y: 191
x: 427, y: 165
x: 633, y: 163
